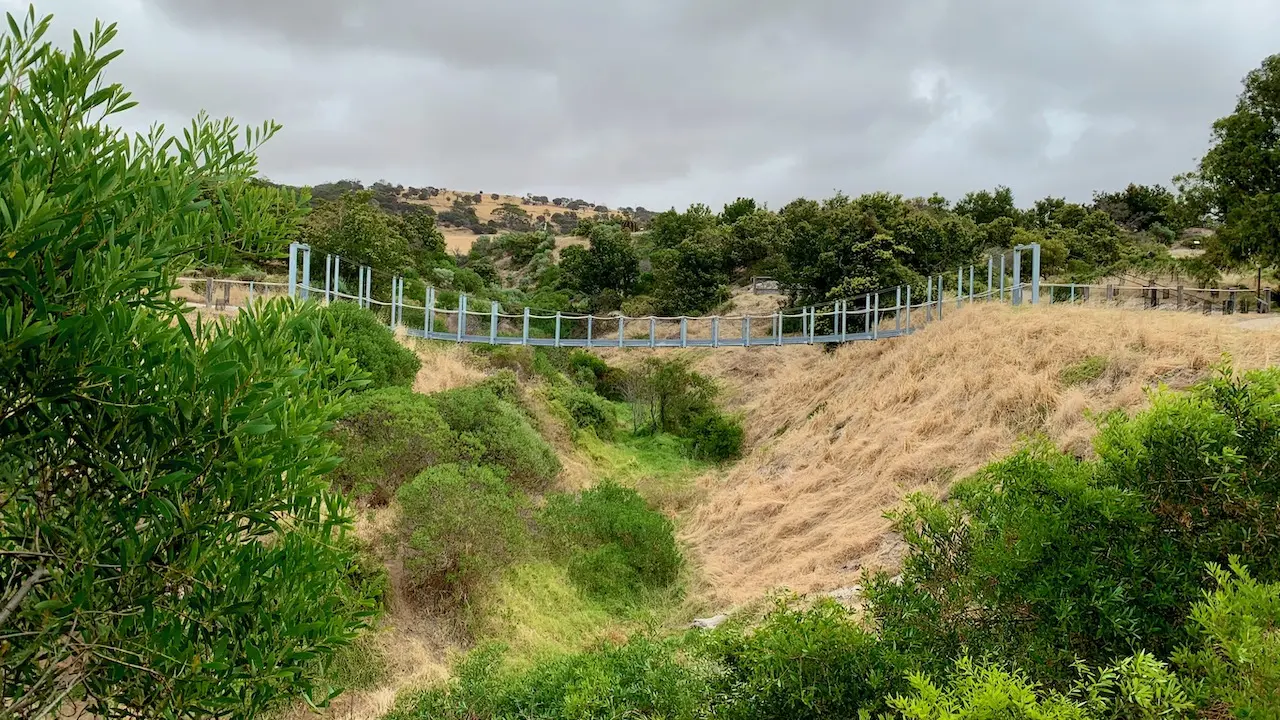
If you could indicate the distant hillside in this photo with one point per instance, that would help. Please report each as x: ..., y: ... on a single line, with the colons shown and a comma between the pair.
x: 462, y: 214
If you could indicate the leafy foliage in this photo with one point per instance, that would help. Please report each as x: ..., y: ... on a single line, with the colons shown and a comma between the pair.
x: 463, y: 524
x: 171, y: 546
x: 618, y: 546
x: 371, y: 344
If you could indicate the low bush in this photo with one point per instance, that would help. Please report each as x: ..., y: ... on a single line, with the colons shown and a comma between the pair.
x: 388, y: 436
x: 715, y: 437
x: 502, y: 433
x: 462, y: 525
x: 643, y: 678
x: 517, y: 358
x: 815, y: 662
x: 618, y: 547
x: 371, y: 344
x: 589, y: 411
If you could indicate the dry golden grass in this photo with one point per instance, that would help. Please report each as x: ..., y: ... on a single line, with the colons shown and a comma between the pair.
x: 838, y: 438
x: 444, y: 366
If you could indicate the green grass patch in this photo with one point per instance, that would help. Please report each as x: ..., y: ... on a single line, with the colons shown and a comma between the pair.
x: 656, y: 466
x: 1085, y: 371
x: 537, y: 612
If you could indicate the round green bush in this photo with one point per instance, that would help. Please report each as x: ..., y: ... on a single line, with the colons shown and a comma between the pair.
x: 371, y: 344
x: 590, y: 412
x: 715, y: 436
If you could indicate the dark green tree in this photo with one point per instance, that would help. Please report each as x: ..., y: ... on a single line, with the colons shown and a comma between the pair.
x: 986, y: 206
x: 836, y: 249
x: 608, y: 263
x: 1138, y: 207
x: 669, y: 229
x: 737, y: 209
x: 689, y: 278
x: 1241, y: 171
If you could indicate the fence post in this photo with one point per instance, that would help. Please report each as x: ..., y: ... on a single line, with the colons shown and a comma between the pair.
x: 928, y: 302
x: 328, y: 264
x: 622, y: 319
x: 526, y: 325
x: 842, y: 319
x: 250, y: 292
x: 391, y: 321
x: 909, y: 309
x: 777, y: 328
x: 990, y: 270
x: 337, y: 277
x: 590, y: 321
x: 813, y: 323
x: 557, y: 328
x: 970, y: 284
x: 306, y: 272
x: 939, y: 297
x: 1035, y: 273
x: 1073, y: 294
x: 1015, y: 295
x: 875, y: 316
x: 1179, y: 297
x: 653, y: 331
x: 493, y: 322
x: 360, y: 288
x: 715, y: 331
x: 293, y: 274
x: 897, y: 308
x: 429, y: 317
x: 959, y: 288
x: 1001, y: 277
x: 208, y: 292
x: 462, y: 316
x: 684, y: 331
x: 746, y: 331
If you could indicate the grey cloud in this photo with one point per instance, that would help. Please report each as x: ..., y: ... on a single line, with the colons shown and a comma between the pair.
x: 668, y: 102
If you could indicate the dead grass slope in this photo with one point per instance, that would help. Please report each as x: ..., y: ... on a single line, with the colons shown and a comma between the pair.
x: 838, y: 438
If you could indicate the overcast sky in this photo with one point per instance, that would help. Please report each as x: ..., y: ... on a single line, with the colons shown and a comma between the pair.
x: 668, y: 102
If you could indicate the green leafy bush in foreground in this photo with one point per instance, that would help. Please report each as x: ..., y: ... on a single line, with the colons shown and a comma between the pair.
x: 618, y: 547
x: 1043, y: 559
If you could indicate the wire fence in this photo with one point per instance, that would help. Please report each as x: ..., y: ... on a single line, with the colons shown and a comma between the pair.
x: 424, y: 310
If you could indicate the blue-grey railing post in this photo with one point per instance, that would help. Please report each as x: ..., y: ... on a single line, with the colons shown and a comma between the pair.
x: 939, y: 297
x: 1015, y: 295
x: 391, y: 321
x: 306, y: 272
x: 960, y: 287
x: 840, y: 319
x: 971, y: 284
x: 1073, y: 294
x: 715, y: 331
x: 429, y: 317
x: 337, y: 277
x: 684, y: 331
x: 526, y: 326
x: 622, y: 319
x: 813, y: 323
x: 1035, y: 273
x: 557, y: 328
x: 360, y: 287
x: 493, y: 322
x: 293, y: 270
x: 897, y: 310
x: 462, y: 316
x: 804, y: 323
x: 908, y: 323
x: 928, y: 301
x: 777, y: 328
x: 990, y: 269
x: 875, y: 316
x: 1002, y: 277
x: 328, y: 264
x: 746, y: 331
x: 653, y: 331
x: 590, y: 318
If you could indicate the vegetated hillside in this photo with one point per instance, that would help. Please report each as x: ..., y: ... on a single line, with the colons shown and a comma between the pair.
x: 838, y: 438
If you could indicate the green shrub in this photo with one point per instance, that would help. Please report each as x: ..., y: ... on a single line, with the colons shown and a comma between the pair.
x: 589, y: 411
x: 1236, y: 631
x: 1042, y: 559
x: 715, y: 436
x: 462, y: 524
x: 804, y: 663
x: 518, y: 358
x: 618, y: 547
x: 502, y: 433
x: 644, y: 678
x: 593, y: 372
x: 371, y: 344
x: 388, y: 436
